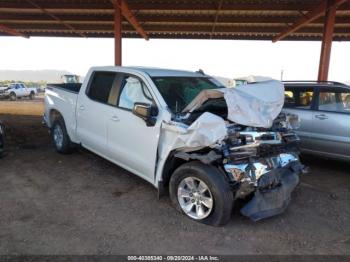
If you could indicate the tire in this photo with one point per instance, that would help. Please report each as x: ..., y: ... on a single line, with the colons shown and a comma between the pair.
x: 13, y: 96
x: 218, y: 190
x: 59, y: 136
x: 31, y: 95
x: 1, y: 146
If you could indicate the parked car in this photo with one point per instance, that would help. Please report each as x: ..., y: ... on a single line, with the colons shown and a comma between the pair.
x: 324, y: 112
x: 2, y: 134
x: 179, y: 131
x: 18, y: 90
x: 3, y: 90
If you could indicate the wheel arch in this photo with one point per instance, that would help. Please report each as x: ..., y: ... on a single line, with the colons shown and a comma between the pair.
x: 53, y: 115
x: 170, y: 165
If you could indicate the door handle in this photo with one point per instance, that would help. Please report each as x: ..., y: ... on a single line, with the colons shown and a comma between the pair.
x: 321, y: 116
x: 82, y: 107
x: 115, y: 119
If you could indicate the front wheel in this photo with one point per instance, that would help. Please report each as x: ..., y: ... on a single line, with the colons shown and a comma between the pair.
x: 202, y: 193
x: 13, y: 96
x: 60, y: 136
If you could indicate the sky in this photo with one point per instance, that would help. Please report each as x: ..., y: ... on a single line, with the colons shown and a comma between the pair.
x: 225, y: 58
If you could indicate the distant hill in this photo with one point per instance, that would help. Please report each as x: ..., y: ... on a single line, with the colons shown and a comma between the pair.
x: 33, y: 75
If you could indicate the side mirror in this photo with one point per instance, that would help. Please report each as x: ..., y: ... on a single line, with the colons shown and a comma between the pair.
x: 147, y: 112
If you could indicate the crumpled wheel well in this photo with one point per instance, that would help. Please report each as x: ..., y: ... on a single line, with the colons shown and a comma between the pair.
x: 171, y: 164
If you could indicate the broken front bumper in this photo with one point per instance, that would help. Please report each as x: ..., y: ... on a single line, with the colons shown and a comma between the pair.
x: 270, y: 201
x: 271, y: 182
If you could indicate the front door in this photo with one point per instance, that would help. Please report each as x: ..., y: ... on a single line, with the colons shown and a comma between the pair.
x: 300, y: 101
x: 133, y: 144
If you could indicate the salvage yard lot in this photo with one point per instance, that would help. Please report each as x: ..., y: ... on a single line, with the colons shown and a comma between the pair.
x: 82, y: 204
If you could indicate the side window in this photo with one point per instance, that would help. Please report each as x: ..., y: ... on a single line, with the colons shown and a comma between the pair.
x: 305, y: 99
x: 133, y: 90
x: 334, y: 101
x: 298, y: 98
x: 289, y: 99
x: 104, y: 87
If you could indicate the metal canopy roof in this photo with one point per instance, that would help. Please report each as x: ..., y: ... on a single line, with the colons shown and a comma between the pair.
x: 191, y: 19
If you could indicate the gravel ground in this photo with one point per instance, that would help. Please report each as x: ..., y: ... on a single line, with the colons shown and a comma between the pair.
x: 82, y: 204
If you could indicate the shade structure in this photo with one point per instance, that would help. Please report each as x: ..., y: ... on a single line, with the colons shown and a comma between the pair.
x: 180, y: 19
x: 196, y: 19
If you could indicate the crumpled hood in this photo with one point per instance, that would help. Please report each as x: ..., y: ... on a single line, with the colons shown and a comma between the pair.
x: 255, y: 104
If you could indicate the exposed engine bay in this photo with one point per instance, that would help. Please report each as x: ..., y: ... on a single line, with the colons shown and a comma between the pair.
x: 261, y: 162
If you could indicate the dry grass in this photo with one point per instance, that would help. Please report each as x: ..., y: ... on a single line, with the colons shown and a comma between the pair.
x: 23, y: 107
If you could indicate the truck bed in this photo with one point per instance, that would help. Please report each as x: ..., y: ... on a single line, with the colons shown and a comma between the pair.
x: 62, y: 98
x: 72, y: 87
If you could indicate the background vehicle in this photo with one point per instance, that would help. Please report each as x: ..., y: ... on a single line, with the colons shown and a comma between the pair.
x: 18, y: 90
x: 156, y: 124
x: 3, y: 90
x: 70, y: 79
x: 324, y: 112
x: 2, y: 134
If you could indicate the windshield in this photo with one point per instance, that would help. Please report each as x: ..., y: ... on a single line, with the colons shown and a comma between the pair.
x: 178, y: 92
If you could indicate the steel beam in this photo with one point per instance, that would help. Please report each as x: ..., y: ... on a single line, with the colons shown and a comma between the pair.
x: 126, y: 12
x: 216, y: 17
x: 11, y: 31
x: 117, y: 33
x: 156, y: 35
x: 108, y: 18
x: 327, y: 41
x: 308, y: 18
x: 177, y: 29
x: 176, y: 5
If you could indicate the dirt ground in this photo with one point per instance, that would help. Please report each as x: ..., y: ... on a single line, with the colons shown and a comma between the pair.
x: 82, y: 204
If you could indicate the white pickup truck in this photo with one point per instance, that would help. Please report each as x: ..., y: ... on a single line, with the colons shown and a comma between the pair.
x: 186, y: 134
x: 17, y: 90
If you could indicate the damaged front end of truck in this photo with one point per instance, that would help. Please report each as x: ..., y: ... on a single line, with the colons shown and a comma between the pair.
x: 243, y: 133
x: 264, y: 164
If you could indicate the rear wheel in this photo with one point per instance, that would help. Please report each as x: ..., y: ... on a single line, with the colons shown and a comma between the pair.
x: 13, y: 96
x: 60, y: 136
x: 32, y: 95
x: 202, y: 193
x: 1, y: 145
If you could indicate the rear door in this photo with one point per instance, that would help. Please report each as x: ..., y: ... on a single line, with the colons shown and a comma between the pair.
x: 93, y: 111
x: 24, y: 90
x: 332, y: 121
x: 300, y: 100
